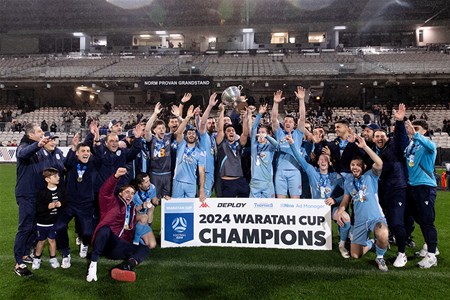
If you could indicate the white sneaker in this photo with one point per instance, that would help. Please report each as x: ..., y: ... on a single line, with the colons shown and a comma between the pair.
x: 344, y: 251
x: 54, y: 263
x: 66, y: 262
x: 78, y: 241
x: 36, y: 264
x: 92, y: 273
x: 424, y: 251
x: 83, y: 250
x: 381, y: 263
x: 427, y: 262
x: 401, y: 260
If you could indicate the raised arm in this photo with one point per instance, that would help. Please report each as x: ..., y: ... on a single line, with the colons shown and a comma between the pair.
x: 220, y: 133
x: 153, y: 117
x: 300, y: 94
x: 277, y: 98
x: 377, y: 162
x: 184, y: 100
x: 212, y: 102
x: 182, y: 127
x: 245, y: 130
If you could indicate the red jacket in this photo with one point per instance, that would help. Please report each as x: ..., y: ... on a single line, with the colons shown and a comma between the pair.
x: 113, y: 211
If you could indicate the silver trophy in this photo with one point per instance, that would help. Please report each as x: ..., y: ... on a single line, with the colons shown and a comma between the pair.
x: 231, y: 97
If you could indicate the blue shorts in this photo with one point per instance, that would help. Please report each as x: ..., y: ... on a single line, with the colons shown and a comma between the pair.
x: 209, y: 184
x: 288, y: 181
x: 261, y: 189
x: 45, y: 232
x: 141, y: 230
x: 360, y: 232
x: 183, y: 189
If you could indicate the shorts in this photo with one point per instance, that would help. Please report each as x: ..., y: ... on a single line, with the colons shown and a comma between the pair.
x: 288, y: 181
x: 360, y: 232
x: 141, y: 230
x: 209, y: 184
x: 183, y: 189
x: 162, y: 184
x: 45, y: 232
x: 261, y: 189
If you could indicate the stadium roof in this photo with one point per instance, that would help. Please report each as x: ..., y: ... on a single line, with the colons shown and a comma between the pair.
x: 106, y: 16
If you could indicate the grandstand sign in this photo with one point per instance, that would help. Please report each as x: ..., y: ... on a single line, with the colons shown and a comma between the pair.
x: 250, y: 223
x: 180, y: 81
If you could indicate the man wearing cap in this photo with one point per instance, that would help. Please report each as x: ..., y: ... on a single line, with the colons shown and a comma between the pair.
x: 31, y: 161
x: 189, y: 158
x: 393, y: 182
x: 367, y: 134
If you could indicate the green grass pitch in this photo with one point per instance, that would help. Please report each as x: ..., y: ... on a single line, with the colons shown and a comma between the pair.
x: 224, y: 273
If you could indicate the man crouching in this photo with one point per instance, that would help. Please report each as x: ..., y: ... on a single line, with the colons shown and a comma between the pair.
x: 113, y: 237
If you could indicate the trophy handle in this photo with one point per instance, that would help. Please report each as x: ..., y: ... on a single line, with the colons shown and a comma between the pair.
x: 240, y: 87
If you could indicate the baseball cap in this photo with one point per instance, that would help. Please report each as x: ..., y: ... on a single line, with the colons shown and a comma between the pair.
x: 50, y: 135
x: 371, y: 126
x: 114, y: 122
x: 130, y: 134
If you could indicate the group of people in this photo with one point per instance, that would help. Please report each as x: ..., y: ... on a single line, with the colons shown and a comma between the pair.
x: 111, y: 185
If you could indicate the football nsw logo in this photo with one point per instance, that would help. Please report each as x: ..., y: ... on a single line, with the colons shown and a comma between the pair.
x: 179, y: 225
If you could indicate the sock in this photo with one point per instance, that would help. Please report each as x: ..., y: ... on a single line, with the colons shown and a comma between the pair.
x: 341, y: 243
x: 38, y: 256
x: 380, y: 252
x: 52, y: 256
x: 93, y: 265
x: 343, y: 231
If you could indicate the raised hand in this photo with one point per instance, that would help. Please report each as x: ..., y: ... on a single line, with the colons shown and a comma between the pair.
x: 262, y: 109
x: 277, y: 96
x: 158, y: 108
x: 76, y: 139
x: 351, y: 135
x: 190, y: 112
x: 360, y: 142
x: 175, y: 110
x: 399, y: 114
x: 221, y: 107
x: 213, y: 100
x: 300, y: 93
x: 120, y: 172
x: 186, y: 98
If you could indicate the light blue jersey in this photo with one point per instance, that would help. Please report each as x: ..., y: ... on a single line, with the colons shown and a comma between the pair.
x: 321, y: 184
x: 364, y: 194
x: 188, y: 159
x: 144, y: 196
x: 208, y: 145
x: 420, y: 157
x: 261, y: 164
x: 286, y: 160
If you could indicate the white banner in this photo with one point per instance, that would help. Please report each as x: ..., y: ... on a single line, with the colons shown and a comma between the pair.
x: 242, y: 222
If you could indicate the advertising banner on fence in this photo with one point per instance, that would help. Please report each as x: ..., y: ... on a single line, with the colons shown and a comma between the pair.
x: 253, y: 223
x: 8, y: 154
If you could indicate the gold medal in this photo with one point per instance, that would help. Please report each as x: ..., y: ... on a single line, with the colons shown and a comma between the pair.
x: 411, y: 163
x: 126, y: 227
x: 80, y: 179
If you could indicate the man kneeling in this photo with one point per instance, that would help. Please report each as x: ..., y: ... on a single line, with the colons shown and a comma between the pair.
x: 113, y: 237
x: 362, y: 190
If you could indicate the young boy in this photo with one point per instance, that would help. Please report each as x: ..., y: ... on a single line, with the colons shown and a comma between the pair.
x: 48, y: 202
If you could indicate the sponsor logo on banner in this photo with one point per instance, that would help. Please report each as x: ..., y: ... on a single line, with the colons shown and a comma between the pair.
x: 179, y: 222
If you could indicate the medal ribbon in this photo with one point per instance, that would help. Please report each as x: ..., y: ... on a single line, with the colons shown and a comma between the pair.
x: 80, y: 170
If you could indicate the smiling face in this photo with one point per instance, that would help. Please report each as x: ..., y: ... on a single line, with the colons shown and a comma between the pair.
x: 211, y: 125
x: 173, y: 124
x: 191, y: 137
x: 83, y: 154
x: 36, y: 134
x: 116, y: 128
x: 230, y: 134
x: 112, y: 142
x: 289, y: 124
x: 367, y: 134
x: 380, y: 138
x: 145, y: 184
x: 160, y: 131
x: 341, y: 130
x: 357, y: 167
x: 50, y: 146
x: 324, y: 163
x: 127, y: 194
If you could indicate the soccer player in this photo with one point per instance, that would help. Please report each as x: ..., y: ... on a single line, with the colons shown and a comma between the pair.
x: 322, y: 181
x: 362, y: 189
x: 208, y: 144
x: 287, y: 176
x: 145, y: 201
x: 48, y: 203
x: 189, y: 158
x: 159, y: 144
x: 114, y: 234
x: 420, y: 156
x: 262, y: 153
x: 233, y: 183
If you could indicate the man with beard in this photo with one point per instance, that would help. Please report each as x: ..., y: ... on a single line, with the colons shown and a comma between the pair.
x: 362, y: 190
x: 189, y: 158
x: 393, y: 183
x: 208, y: 134
x: 114, y: 234
x: 229, y: 151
